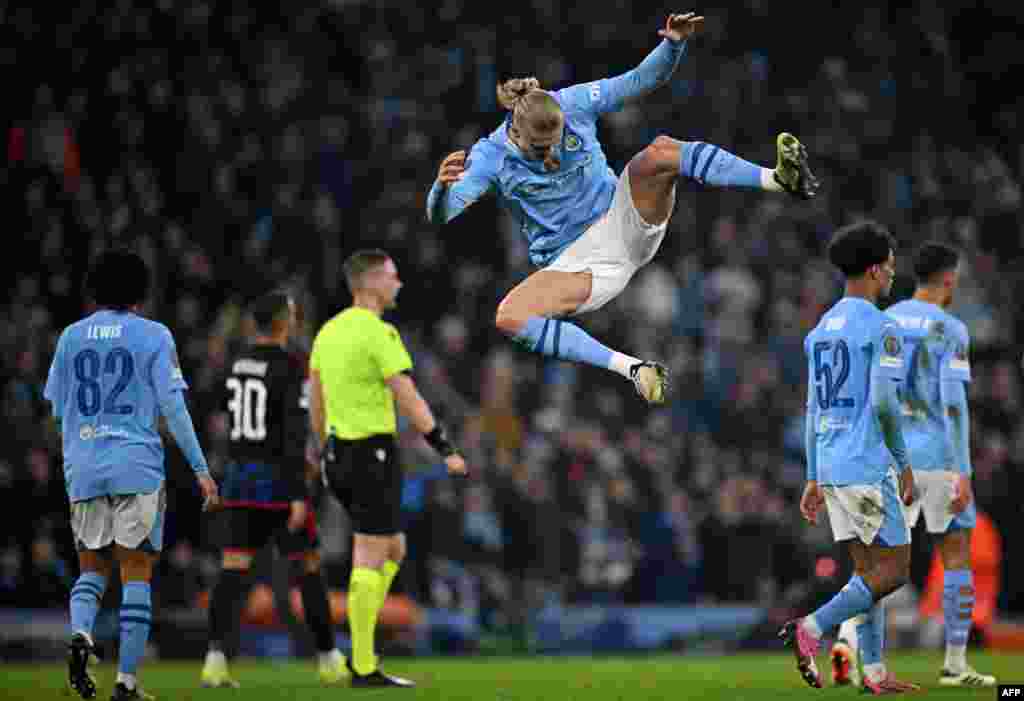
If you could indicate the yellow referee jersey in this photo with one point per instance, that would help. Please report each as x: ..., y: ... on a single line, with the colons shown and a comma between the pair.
x: 354, y: 353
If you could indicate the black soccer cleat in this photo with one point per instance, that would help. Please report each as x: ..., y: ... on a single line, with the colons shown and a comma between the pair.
x: 80, y: 653
x: 123, y: 693
x: 377, y: 679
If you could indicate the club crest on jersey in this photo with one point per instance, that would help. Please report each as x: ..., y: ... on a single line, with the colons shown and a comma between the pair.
x: 891, y: 349
x: 891, y: 345
x: 572, y: 143
x: 381, y: 455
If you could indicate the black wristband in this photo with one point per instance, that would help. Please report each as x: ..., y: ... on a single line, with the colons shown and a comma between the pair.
x: 438, y: 440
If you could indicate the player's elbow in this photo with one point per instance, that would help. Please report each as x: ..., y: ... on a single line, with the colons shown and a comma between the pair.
x: 660, y: 158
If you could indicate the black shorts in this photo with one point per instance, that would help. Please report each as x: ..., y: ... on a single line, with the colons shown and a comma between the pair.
x: 366, y: 478
x: 248, y: 529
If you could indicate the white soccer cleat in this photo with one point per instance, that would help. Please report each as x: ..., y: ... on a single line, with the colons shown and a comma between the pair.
x: 968, y: 677
x: 650, y: 380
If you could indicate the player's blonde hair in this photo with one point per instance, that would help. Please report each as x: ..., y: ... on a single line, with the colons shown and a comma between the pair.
x: 525, y: 99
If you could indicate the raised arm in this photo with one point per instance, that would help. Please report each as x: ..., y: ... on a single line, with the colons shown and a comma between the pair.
x: 655, y: 70
x: 460, y: 182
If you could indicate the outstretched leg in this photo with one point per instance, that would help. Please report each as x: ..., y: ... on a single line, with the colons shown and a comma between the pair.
x: 530, y: 315
x: 653, y: 172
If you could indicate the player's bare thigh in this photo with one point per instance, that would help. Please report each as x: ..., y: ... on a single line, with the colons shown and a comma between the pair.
x: 545, y: 293
x: 652, y: 177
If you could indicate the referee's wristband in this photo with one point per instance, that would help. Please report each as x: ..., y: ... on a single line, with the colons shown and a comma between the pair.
x: 438, y: 440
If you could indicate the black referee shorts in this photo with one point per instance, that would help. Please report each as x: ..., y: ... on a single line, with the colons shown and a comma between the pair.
x: 366, y: 478
x: 249, y: 528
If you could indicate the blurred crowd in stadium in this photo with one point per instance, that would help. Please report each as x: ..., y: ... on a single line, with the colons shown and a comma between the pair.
x: 241, y: 147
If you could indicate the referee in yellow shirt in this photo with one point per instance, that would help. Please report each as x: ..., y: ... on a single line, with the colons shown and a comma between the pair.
x: 359, y: 369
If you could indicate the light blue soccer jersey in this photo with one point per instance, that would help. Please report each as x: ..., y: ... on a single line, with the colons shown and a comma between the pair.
x: 554, y: 209
x: 854, y: 358
x: 111, y: 373
x: 936, y: 345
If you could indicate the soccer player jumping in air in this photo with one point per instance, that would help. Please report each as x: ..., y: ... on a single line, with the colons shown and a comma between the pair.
x: 589, y: 230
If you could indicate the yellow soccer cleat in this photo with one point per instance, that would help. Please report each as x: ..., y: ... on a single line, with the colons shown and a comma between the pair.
x: 792, y: 172
x: 650, y: 380
x: 333, y: 670
x: 215, y: 672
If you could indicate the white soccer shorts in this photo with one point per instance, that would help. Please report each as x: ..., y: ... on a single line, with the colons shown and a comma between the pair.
x: 130, y: 520
x: 869, y: 512
x: 935, y: 492
x: 613, y: 248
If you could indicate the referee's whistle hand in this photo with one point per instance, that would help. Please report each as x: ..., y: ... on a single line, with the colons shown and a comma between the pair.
x: 456, y: 464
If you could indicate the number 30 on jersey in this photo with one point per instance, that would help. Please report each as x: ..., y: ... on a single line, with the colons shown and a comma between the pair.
x: 248, y: 407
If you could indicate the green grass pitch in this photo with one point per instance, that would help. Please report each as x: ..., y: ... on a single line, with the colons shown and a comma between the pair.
x: 634, y: 678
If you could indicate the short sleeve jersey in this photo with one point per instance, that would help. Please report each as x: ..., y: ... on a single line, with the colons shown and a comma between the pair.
x: 355, y: 353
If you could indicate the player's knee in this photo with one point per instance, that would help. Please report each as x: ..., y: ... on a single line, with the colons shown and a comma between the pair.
x: 508, y: 320
x: 956, y: 558
x: 136, y: 568
x: 896, y: 574
x: 94, y: 561
x: 370, y: 551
